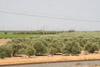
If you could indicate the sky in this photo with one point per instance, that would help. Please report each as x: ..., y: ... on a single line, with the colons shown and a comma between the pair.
x: 70, y: 9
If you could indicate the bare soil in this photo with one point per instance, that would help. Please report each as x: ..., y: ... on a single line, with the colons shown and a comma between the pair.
x: 42, y: 59
x: 4, y: 41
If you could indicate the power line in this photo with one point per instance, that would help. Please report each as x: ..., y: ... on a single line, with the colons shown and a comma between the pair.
x: 47, y: 16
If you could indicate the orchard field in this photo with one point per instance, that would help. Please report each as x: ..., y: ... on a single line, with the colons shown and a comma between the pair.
x: 66, y: 43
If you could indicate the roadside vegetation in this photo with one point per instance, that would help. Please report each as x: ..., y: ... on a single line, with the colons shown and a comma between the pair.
x: 69, y: 43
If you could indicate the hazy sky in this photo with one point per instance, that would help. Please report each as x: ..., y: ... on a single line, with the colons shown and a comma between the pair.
x: 72, y: 9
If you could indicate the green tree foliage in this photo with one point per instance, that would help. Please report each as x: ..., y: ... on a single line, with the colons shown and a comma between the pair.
x: 57, y: 44
x: 4, y: 52
x: 16, y: 48
x: 52, y: 50
x: 72, y: 48
x: 37, y: 32
x: 71, y: 31
x: 40, y: 48
x: 91, y: 47
x: 5, y: 32
x: 30, y: 51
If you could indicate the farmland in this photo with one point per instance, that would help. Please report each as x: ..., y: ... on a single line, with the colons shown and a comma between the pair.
x: 10, y: 36
x: 63, y: 46
x: 24, y: 34
x: 51, y: 44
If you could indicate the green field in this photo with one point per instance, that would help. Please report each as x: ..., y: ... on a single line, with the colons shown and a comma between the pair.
x: 17, y: 35
x: 24, y: 34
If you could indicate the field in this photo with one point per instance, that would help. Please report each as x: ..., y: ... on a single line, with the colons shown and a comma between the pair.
x: 24, y: 34
x: 9, y: 36
x: 34, y: 48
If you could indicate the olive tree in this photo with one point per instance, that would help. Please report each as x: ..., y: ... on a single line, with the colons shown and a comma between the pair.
x: 52, y: 50
x: 91, y: 47
x: 40, y: 48
x: 30, y: 51
x: 16, y: 48
x: 72, y: 48
x: 5, y: 51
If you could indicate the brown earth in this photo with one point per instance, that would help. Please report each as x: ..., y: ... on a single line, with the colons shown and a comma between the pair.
x: 4, y: 41
x: 42, y: 59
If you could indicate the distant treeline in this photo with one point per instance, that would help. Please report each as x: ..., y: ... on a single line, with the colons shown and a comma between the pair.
x: 38, y: 32
x: 34, y: 32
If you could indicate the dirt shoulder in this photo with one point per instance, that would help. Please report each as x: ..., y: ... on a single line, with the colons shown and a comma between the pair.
x: 47, y: 59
